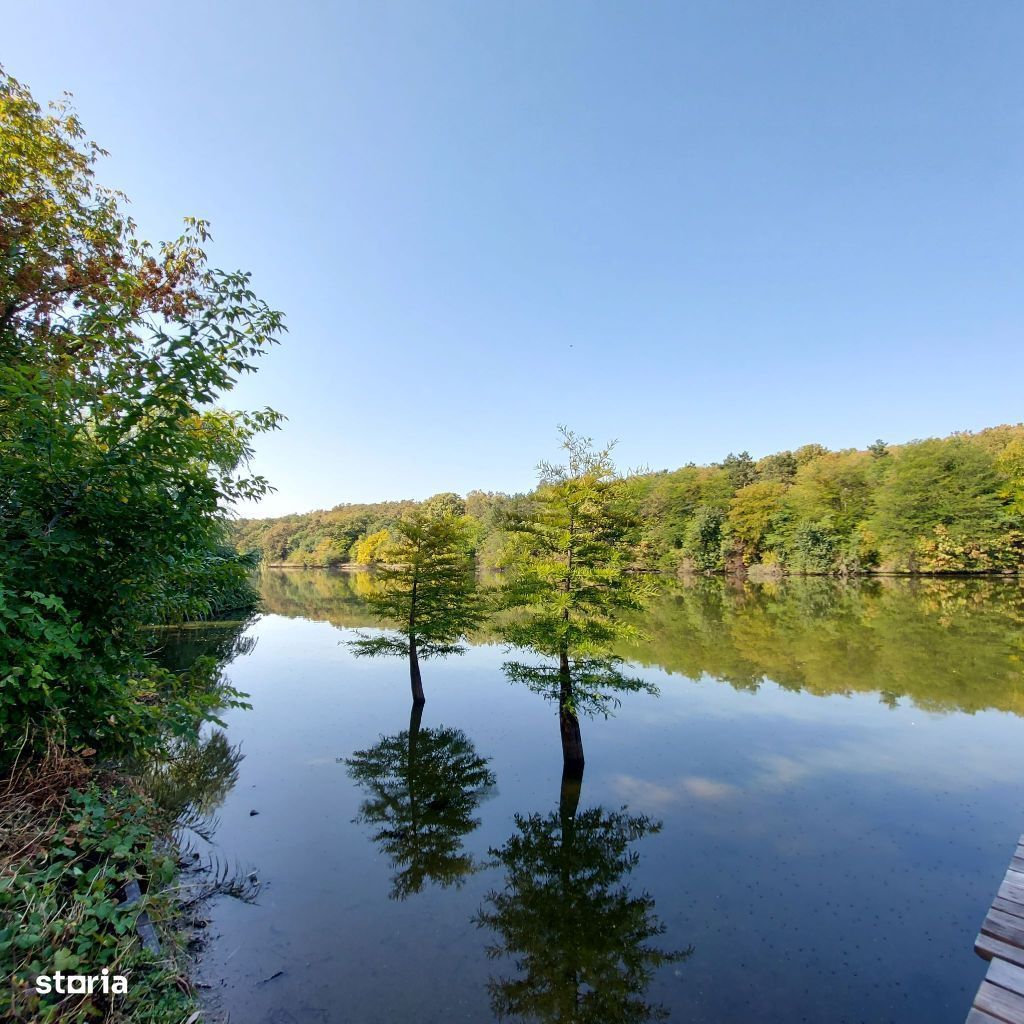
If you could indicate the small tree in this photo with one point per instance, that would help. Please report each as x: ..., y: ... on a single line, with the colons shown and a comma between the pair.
x: 570, y: 583
x: 427, y: 592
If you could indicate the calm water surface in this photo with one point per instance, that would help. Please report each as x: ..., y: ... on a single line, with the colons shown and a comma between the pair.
x: 807, y: 825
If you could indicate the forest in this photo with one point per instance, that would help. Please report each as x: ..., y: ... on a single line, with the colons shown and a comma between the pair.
x: 939, y: 505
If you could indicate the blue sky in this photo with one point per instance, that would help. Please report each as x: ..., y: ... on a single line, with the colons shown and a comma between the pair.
x: 694, y: 226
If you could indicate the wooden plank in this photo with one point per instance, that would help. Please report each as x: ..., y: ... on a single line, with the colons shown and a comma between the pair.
x: 988, y: 947
x: 977, y: 1016
x: 1004, y: 926
x: 1017, y: 877
x: 1008, y: 976
x: 1000, y: 1003
x: 1012, y: 892
x: 1008, y: 907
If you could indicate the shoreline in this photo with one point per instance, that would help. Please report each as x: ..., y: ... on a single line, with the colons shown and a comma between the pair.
x: 756, y: 573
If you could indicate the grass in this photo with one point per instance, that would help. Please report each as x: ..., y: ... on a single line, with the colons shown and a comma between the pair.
x: 71, y: 837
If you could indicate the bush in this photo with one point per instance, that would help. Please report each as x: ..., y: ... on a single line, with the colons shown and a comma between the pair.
x: 64, y: 860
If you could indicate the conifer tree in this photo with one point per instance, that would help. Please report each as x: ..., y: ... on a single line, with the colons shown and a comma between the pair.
x: 427, y: 591
x: 570, y: 581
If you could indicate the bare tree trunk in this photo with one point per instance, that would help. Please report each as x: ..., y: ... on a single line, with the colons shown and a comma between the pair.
x: 569, y: 724
x: 414, y: 659
x: 414, y: 674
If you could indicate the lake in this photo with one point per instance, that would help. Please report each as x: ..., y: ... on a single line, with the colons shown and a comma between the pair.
x: 808, y: 824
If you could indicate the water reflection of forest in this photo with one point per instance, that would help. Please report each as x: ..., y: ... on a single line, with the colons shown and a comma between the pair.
x: 945, y: 644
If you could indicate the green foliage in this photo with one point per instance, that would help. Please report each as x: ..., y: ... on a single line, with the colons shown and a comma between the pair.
x: 427, y: 588
x: 740, y: 469
x: 570, y: 580
x: 116, y: 468
x: 755, y: 519
x: 1010, y: 464
x: 833, y: 490
x: 943, y: 505
x: 63, y: 910
x: 296, y: 539
x: 53, y: 687
x: 813, y: 548
x: 703, y: 538
x: 953, y: 483
x: 779, y: 468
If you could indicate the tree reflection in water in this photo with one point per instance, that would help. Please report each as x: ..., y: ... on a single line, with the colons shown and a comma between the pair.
x: 580, y: 939
x: 424, y: 786
x: 189, y: 775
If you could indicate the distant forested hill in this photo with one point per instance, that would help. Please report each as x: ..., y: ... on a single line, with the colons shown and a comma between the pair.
x: 953, y: 504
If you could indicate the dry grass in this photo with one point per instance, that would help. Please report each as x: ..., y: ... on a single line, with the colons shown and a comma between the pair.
x: 33, y: 795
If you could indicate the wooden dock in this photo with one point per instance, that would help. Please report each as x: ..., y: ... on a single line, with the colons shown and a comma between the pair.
x: 1000, y: 1000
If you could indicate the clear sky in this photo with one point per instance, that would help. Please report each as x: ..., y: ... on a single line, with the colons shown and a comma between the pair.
x: 693, y: 226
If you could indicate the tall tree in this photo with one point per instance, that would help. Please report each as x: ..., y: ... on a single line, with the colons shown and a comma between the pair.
x: 570, y: 583
x: 424, y: 786
x: 427, y: 592
x: 117, y: 468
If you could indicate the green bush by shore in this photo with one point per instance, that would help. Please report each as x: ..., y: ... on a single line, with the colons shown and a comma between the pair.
x: 118, y: 468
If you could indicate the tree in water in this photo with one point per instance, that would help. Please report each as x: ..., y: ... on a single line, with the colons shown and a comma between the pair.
x: 570, y: 581
x: 424, y: 788
x: 581, y: 940
x: 427, y: 591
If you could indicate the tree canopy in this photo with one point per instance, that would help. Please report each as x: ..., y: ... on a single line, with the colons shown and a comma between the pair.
x: 426, y: 590
x: 570, y: 585
x: 118, y: 467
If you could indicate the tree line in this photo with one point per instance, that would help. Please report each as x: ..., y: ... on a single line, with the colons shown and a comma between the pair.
x: 940, y: 505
